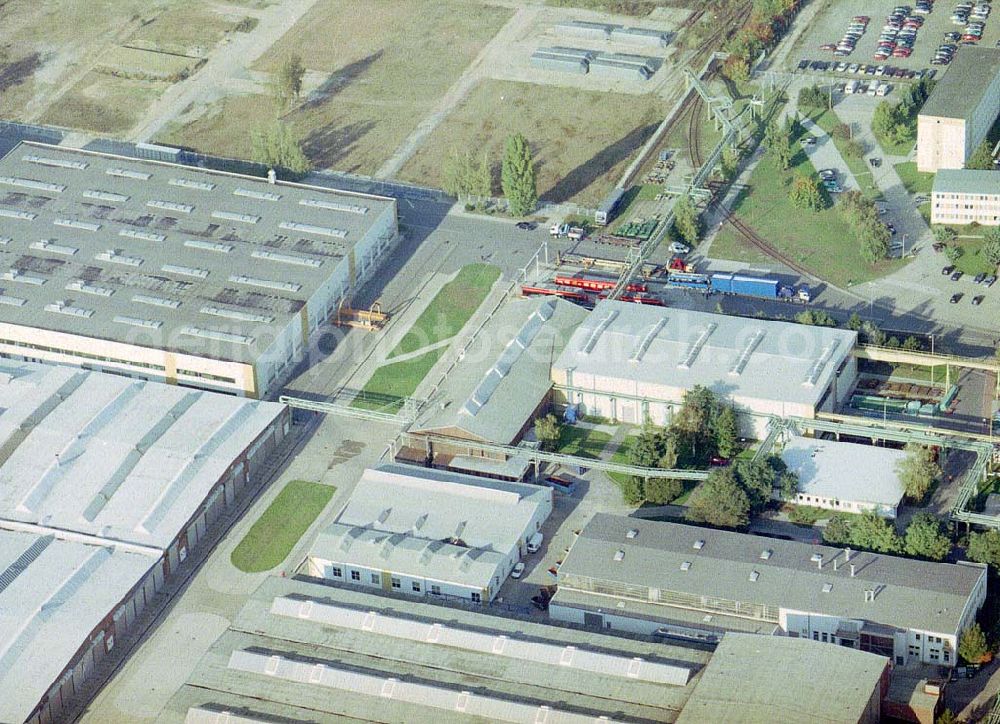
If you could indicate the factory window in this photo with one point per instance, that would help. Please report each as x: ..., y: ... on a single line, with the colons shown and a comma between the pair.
x: 436, y: 590
x: 206, y: 376
x: 947, y: 655
x: 336, y: 572
x: 355, y: 576
x: 376, y: 579
x: 918, y: 637
x: 396, y: 583
x: 825, y: 638
x: 815, y: 635
x: 416, y: 586
x: 476, y: 597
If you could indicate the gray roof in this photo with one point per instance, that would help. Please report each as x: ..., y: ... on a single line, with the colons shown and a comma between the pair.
x: 845, y: 470
x: 115, y: 457
x: 401, y: 518
x: 504, y: 374
x: 909, y: 593
x: 53, y: 594
x: 966, y: 181
x: 192, y: 251
x: 343, y: 652
x: 737, y: 357
x: 763, y: 679
x: 960, y: 90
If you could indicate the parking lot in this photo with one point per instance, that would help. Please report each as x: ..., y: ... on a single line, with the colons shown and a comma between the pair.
x: 832, y: 22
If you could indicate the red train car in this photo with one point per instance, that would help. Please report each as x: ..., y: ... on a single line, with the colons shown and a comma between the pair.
x: 593, y: 284
x: 567, y: 294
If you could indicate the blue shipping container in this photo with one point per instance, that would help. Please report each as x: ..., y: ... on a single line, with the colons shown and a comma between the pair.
x: 762, y: 287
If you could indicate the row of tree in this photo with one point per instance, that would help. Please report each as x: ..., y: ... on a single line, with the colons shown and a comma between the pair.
x: 768, y: 19
x: 873, y: 235
x: 466, y: 176
x: 896, y: 123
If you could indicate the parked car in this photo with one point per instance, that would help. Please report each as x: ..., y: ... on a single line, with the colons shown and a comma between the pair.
x: 827, y: 173
x: 956, y: 297
x: 678, y: 247
x: 808, y: 141
x: 989, y: 281
x: 948, y: 270
x: 517, y: 571
x: 803, y: 64
x: 978, y: 299
x: 978, y: 279
x: 526, y: 225
x: 955, y: 276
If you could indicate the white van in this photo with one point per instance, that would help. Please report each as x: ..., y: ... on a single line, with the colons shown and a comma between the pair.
x: 535, y: 543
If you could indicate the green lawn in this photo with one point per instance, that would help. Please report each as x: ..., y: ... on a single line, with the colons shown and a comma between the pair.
x: 450, y: 309
x: 916, y: 182
x: 828, y: 120
x: 582, y: 442
x: 392, y: 382
x: 822, y: 241
x: 279, y: 528
x: 972, y: 260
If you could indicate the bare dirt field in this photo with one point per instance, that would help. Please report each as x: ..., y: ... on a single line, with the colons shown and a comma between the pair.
x: 59, y: 59
x: 386, y: 63
x: 582, y: 140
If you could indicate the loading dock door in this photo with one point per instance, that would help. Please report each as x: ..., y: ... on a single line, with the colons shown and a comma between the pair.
x: 593, y: 619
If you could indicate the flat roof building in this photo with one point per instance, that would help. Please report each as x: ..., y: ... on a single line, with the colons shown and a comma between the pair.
x: 633, y: 362
x: 960, y: 110
x: 964, y: 196
x: 174, y: 273
x: 430, y: 533
x: 302, y: 651
x: 764, y: 679
x: 107, y: 485
x: 646, y: 576
x: 845, y: 476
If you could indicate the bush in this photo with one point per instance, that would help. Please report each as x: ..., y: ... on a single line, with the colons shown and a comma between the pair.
x: 944, y: 233
x: 954, y: 253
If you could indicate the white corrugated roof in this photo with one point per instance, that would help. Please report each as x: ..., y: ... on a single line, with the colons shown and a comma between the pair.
x: 737, y: 357
x: 53, y: 593
x: 111, y: 456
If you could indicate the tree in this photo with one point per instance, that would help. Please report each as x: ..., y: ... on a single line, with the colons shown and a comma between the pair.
x: 788, y: 483
x: 854, y: 148
x: 727, y: 432
x: 816, y: 318
x: 872, y: 334
x: 925, y: 539
x: 912, y: 344
x: 838, y: 530
x: 720, y: 500
x: 945, y: 717
x: 668, y: 460
x: 632, y: 490
x: 982, y: 158
x: 276, y: 147
x: 854, y: 321
x: 783, y: 151
x: 944, y: 233
x: 547, y: 431
x: 972, y: 646
x: 288, y: 85
x: 730, y: 162
x: 991, y: 247
x: 805, y: 193
x: 875, y: 533
x: 875, y: 243
x: 483, y: 186
x: 695, y: 420
x: 662, y: 490
x: 517, y: 176
x: 918, y: 471
x: 456, y: 173
x: 758, y: 479
x: 954, y: 253
x: 985, y: 547
x: 842, y: 131
x: 687, y: 221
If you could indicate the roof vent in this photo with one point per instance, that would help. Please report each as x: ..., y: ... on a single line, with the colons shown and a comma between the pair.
x: 619, y: 555
x: 698, y: 544
x: 816, y: 557
x: 827, y: 587
x: 686, y: 566
x: 765, y: 554
x: 632, y: 533
x: 754, y: 575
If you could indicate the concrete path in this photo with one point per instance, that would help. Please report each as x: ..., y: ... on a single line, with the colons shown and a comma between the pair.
x: 231, y: 59
x: 824, y: 154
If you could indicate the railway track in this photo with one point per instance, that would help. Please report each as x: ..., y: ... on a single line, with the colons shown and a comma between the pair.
x: 745, y: 230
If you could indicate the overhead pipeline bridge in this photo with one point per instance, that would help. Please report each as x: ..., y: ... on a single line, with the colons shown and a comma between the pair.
x: 407, y: 413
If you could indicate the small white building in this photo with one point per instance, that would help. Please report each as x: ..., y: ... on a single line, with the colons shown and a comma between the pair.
x: 844, y: 476
x: 428, y: 532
